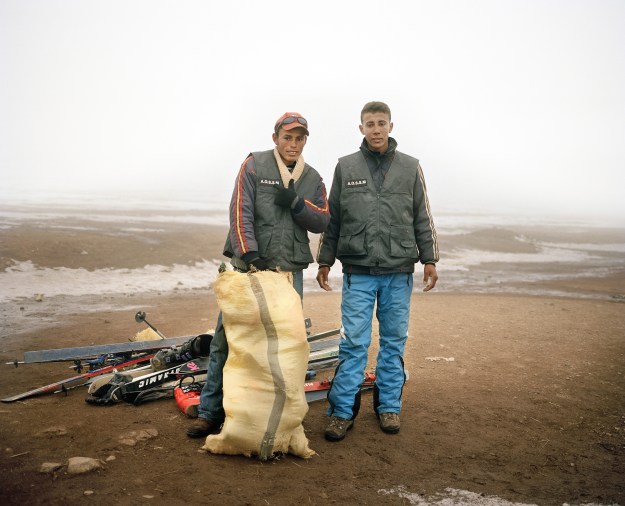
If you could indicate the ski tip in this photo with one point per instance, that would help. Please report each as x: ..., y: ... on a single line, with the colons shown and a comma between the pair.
x: 9, y: 399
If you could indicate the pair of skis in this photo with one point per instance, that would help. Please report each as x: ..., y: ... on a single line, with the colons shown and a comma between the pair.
x: 140, y: 386
x: 62, y: 354
x: 323, y: 355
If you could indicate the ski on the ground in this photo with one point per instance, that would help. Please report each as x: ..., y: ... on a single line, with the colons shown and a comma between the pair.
x: 327, y: 363
x: 197, y: 365
x: 81, y: 365
x: 61, y: 354
x: 323, y: 359
x: 95, y: 383
x: 323, y: 335
x: 322, y: 345
x: 129, y: 391
x: 82, y: 352
x: 323, y: 354
x: 74, y: 379
x: 318, y: 390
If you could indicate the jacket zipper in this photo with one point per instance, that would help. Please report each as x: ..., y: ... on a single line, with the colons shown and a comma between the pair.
x: 377, y: 239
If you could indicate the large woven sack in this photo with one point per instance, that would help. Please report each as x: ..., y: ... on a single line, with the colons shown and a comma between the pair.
x: 264, y: 398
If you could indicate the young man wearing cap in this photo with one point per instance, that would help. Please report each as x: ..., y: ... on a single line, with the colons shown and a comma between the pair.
x: 380, y: 226
x: 277, y: 199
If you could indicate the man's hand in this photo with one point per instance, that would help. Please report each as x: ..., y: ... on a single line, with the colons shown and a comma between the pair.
x: 430, y: 277
x: 286, y: 197
x: 322, y: 278
x: 252, y: 259
x: 260, y: 264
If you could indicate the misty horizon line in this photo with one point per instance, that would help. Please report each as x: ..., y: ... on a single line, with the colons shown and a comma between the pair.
x: 108, y: 200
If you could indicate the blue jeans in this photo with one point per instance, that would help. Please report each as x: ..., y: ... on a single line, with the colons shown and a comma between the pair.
x: 392, y: 293
x: 212, y: 396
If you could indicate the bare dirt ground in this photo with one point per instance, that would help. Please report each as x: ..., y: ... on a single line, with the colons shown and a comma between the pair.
x: 531, y: 409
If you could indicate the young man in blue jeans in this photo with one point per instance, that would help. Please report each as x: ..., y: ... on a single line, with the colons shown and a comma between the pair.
x: 380, y: 226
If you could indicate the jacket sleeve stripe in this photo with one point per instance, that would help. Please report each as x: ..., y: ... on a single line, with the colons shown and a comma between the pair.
x: 429, y: 213
x: 322, y: 210
x: 238, y: 210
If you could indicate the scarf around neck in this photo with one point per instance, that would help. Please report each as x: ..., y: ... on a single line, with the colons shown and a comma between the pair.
x: 285, y: 174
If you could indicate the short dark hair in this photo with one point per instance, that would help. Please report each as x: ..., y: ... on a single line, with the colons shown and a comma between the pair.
x: 375, y: 107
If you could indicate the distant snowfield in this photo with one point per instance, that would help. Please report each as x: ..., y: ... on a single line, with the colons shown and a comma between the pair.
x: 460, y: 270
x: 454, y: 497
x: 25, y: 280
x: 462, y: 267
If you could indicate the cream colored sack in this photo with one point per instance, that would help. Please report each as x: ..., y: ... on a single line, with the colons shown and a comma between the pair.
x: 264, y: 396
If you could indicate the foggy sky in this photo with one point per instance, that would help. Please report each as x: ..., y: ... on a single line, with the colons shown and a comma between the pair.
x: 511, y: 106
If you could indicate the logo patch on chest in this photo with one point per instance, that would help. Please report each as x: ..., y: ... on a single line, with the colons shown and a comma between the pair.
x: 269, y: 182
x: 356, y: 182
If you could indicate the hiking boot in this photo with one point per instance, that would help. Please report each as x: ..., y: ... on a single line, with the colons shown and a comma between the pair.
x: 337, y: 428
x: 389, y: 422
x: 203, y: 427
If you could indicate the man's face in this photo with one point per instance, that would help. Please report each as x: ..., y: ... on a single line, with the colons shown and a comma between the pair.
x: 376, y: 127
x: 290, y: 144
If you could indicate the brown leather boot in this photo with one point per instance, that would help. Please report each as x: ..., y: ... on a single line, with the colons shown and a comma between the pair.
x: 202, y: 427
x: 389, y: 422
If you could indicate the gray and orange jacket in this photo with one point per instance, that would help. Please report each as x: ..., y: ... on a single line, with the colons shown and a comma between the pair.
x: 380, y: 222
x: 279, y: 235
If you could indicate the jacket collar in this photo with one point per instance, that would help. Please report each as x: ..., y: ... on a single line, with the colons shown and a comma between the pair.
x: 392, y: 146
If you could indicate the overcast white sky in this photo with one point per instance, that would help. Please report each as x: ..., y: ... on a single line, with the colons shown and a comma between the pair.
x: 514, y: 106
